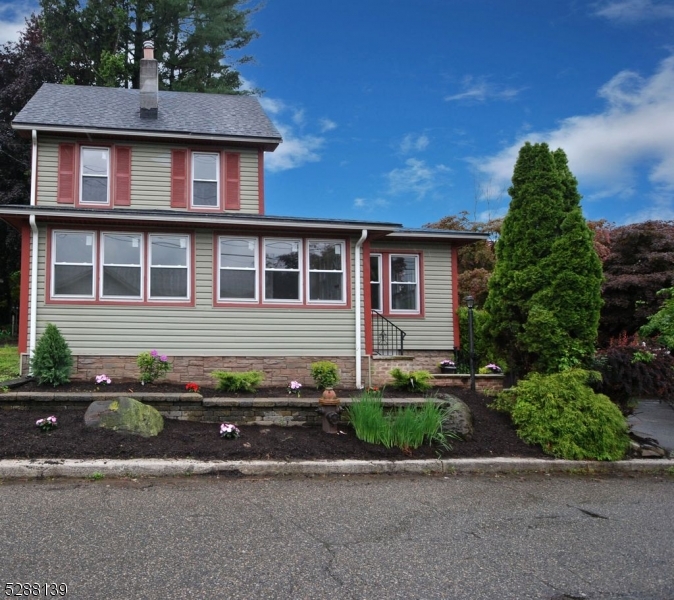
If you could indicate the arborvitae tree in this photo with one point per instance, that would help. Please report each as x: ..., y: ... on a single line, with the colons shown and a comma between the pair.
x: 52, y: 360
x: 544, y: 295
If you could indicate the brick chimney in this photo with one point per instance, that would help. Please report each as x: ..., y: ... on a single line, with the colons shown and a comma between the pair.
x: 149, y: 85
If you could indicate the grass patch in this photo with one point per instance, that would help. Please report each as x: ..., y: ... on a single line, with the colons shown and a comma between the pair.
x: 9, y: 362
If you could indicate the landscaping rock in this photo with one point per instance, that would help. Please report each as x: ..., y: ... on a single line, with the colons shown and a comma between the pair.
x: 126, y: 415
x: 460, y: 419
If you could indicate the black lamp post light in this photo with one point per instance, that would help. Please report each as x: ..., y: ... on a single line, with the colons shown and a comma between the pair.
x: 470, y: 303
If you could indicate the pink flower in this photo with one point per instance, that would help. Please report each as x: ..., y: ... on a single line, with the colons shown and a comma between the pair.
x: 154, y: 353
x: 163, y: 358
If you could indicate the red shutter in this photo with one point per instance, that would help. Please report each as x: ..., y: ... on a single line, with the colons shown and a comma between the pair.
x: 122, y: 188
x: 65, y: 192
x: 178, y: 178
x: 232, y: 181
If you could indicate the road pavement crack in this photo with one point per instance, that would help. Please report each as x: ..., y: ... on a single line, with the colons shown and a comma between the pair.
x: 589, y: 513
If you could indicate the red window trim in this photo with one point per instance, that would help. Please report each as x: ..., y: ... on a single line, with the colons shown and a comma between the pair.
x: 181, y: 197
x: 386, y: 282
x: 97, y: 300
x: 303, y: 303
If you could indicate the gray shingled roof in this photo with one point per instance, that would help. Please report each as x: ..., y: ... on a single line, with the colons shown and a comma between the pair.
x: 76, y: 106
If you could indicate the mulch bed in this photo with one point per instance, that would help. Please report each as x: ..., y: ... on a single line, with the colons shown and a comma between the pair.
x: 20, y: 438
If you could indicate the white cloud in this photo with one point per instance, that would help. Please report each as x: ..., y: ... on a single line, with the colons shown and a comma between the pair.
x: 607, y: 151
x: 479, y: 89
x: 629, y: 11
x: 414, y: 143
x: 13, y: 19
x: 272, y: 105
x: 327, y: 125
x: 369, y: 206
x: 416, y: 177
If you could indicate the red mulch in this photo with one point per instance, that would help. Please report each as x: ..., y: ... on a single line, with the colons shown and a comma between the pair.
x: 20, y: 438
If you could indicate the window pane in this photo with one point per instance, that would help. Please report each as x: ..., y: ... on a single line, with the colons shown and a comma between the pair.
x: 403, y: 268
x: 95, y: 161
x: 121, y: 281
x: 403, y: 296
x: 374, y: 293
x: 74, y: 248
x: 374, y: 268
x: 237, y: 284
x: 237, y: 253
x: 73, y: 280
x: 325, y: 286
x: 168, y: 283
x: 169, y: 250
x: 281, y: 255
x: 325, y: 256
x: 282, y: 286
x: 206, y: 166
x: 121, y: 249
x: 95, y: 190
x: 205, y: 193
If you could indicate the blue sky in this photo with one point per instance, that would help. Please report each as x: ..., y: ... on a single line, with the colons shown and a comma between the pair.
x: 410, y: 111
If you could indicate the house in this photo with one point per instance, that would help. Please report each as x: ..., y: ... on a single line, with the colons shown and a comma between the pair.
x: 147, y: 229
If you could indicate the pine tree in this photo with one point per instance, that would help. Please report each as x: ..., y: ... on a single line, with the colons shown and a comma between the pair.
x: 52, y: 360
x: 545, y: 293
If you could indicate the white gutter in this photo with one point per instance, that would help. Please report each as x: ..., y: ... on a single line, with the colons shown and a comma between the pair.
x: 33, y: 249
x: 359, y: 288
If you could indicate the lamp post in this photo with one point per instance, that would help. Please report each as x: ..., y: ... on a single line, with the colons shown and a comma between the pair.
x: 470, y: 303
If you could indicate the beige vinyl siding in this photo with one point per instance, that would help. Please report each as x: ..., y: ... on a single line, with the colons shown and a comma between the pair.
x: 199, y: 331
x: 150, y: 174
x: 435, y: 330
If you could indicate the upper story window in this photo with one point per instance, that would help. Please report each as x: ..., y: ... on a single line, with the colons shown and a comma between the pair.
x: 404, y: 291
x: 73, y: 254
x: 237, y: 269
x: 95, y: 175
x: 326, y: 271
x: 205, y: 180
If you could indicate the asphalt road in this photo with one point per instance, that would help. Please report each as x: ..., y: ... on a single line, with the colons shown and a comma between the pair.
x: 474, y: 537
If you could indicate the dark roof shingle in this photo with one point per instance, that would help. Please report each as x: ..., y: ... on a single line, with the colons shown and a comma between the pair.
x: 75, y: 106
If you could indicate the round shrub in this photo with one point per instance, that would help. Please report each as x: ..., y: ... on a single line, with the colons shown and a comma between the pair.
x: 325, y: 374
x: 566, y: 417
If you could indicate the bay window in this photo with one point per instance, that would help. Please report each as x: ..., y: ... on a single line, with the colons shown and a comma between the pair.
x: 73, y: 254
x: 326, y: 271
x: 121, y: 265
x: 237, y: 269
x: 169, y: 256
x: 282, y: 278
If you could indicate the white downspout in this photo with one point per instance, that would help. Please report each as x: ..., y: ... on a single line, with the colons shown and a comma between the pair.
x: 359, y: 288
x: 33, y: 249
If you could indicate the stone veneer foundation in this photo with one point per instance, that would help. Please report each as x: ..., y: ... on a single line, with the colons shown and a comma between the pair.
x: 278, y: 370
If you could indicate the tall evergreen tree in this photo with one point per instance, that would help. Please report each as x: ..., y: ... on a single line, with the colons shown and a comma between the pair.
x: 100, y: 42
x: 545, y: 292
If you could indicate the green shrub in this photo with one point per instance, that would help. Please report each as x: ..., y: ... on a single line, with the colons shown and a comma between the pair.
x: 52, y: 360
x: 413, y: 381
x: 406, y: 428
x: 565, y: 416
x: 325, y: 374
x: 242, y: 381
x: 152, y: 366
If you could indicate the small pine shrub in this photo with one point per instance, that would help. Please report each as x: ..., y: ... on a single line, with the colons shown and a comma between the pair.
x: 242, y: 381
x: 412, y: 381
x: 52, y: 360
x: 565, y: 416
x: 325, y: 374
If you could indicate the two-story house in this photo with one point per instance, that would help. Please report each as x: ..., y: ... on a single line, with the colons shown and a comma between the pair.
x: 146, y: 229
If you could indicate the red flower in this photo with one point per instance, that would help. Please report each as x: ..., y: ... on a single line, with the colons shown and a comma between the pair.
x: 192, y: 387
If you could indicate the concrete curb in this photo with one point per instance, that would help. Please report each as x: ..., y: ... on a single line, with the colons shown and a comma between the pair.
x: 50, y: 468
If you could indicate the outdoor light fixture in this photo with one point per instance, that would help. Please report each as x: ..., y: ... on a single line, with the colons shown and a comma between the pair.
x: 470, y: 303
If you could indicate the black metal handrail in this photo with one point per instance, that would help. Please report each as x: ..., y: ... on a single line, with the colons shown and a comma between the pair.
x: 387, y: 338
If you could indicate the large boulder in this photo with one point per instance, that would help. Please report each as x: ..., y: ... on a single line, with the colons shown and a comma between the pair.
x: 460, y: 419
x: 126, y: 415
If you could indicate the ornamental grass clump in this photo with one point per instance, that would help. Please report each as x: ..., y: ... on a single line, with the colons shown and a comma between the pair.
x: 152, y: 366
x: 241, y: 381
x: 52, y: 359
x: 562, y: 414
